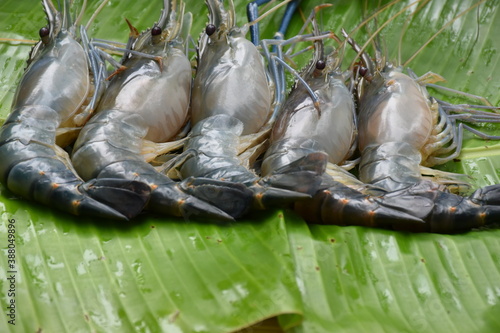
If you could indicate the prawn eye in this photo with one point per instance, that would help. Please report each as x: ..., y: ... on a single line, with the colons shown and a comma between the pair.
x: 44, y: 34
x: 320, y: 65
x: 210, y: 29
x: 363, y: 71
x: 155, y: 31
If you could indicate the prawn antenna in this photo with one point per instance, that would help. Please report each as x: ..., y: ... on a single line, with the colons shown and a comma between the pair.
x: 270, y: 11
x: 405, y: 27
x: 16, y: 40
x: 362, y: 49
x: 80, y: 14
x: 94, y: 15
x: 368, y: 19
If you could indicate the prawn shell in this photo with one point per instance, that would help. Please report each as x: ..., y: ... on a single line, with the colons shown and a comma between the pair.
x: 332, y: 127
x: 166, y: 112
x: 394, y: 108
x: 63, y: 67
x: 215, y: 141
x: 100, y: 129
x: 232, y: 75
x: 281, y: 154
x: 34, y: 123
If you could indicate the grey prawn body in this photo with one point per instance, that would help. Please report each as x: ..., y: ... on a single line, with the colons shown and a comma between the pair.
x: 145, y: 105
x: 231, y: 108
x: 311, y: 142
x: 52, y: 93
x: 402, y: 128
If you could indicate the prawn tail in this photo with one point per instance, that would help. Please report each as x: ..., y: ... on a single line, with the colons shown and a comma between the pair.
x: 422, y: 207
x: 179, y: 199
x: 237, y: 199
x: 453, y: 213
x: 167, y: 196
x: 47, y: 181
x: 33, y: 168
x: 342, y: 205
x: 266, y: 197
x: 488, y: 195
x: 128, y: 197
x: 292, y: 182
x: 303, y: 175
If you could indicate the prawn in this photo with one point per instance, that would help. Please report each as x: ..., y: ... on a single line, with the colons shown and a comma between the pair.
x: 50, y: 96
x: 312, y: 140
x: 145, y: 105
x: 402, y: 127
x: 231, y: 110
x: 318, y: 127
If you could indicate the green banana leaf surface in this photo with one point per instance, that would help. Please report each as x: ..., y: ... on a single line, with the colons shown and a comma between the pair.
x: 63, y: 273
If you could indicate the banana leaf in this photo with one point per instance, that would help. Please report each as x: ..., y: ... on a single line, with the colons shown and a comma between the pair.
x: 164, y: 274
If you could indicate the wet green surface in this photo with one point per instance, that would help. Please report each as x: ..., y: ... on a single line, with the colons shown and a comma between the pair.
x: 160, y: 274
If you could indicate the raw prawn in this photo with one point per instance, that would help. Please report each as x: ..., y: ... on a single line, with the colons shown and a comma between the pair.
x: 52, y: 93
x: 231, y: 110
x: 312, y: 137
x: 145, y: 105
x: 402, y: 127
